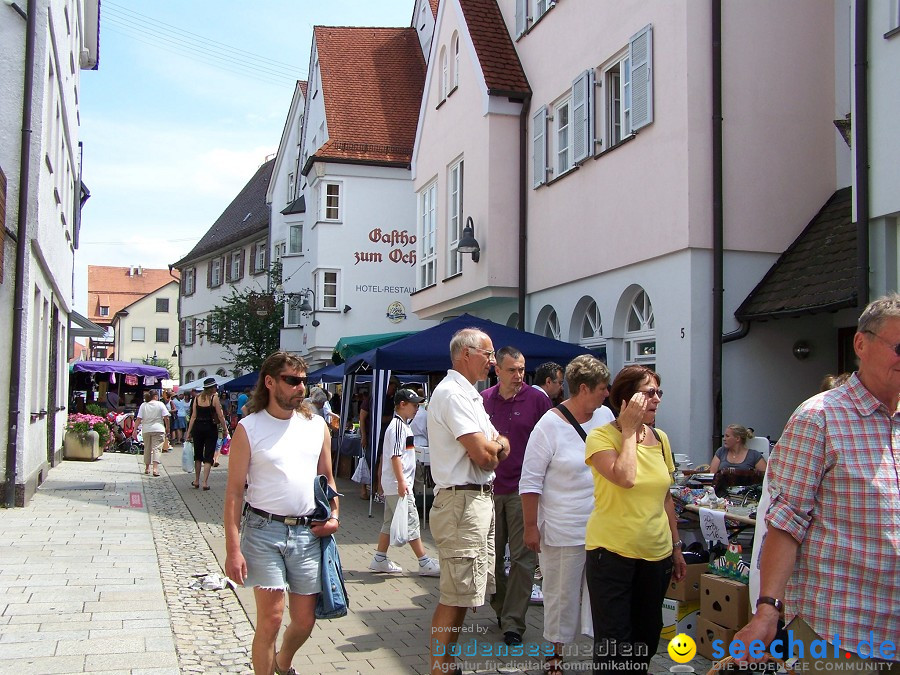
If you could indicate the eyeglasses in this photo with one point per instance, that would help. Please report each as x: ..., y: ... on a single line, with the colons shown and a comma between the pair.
x: 650, y: 393
x: 490, y: 353
x: 293, y: 380
x: 895, y: 347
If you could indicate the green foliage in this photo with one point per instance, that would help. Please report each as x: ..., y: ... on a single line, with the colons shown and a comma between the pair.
x: 94, y: 409
x: 248, y: 327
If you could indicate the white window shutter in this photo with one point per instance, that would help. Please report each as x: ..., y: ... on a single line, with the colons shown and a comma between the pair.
x: 640, y: 52
x: 539, y: 145
x: 583, y: 116
x: 521, y: 16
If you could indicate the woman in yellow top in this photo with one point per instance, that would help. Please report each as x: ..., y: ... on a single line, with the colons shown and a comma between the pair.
x: 632, y: 541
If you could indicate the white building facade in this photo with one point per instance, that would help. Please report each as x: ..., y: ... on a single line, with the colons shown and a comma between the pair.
x: 146, y: 331
x: 38, y: 248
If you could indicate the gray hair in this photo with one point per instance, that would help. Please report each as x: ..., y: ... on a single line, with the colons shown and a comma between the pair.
x: 877, y: 311
x: 467, y: 337
x: 587, y: 370
x: 318, y: 396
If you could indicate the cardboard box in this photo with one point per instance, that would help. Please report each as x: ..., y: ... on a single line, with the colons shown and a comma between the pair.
x: 724, y: 601
x: 679, y: 616
x: 707, y: 631
x: 689, y: 587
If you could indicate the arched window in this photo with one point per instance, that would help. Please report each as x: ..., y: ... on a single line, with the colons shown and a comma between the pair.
x: 591, y: 334
x: 221, y: 372
x: 444, y: 73
x: 640, y: 332
x: 513, y: 320
x: 548, y: 323
x: 189, y: 376
x: 201, y: 374
x: 455, y: 44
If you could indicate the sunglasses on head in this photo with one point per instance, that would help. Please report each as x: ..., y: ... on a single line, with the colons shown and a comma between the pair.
x: 293, y: 380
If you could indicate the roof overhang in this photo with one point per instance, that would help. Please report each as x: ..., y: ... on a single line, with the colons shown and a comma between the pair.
x: 81, y: 326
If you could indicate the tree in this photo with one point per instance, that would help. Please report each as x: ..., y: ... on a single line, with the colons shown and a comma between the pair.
x: 248, y: 327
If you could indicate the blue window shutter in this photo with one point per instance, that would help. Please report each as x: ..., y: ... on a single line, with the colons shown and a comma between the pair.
x: 521, y: 16
x: 640, y: 53
x: 539, y: 145
x: 583, y: 116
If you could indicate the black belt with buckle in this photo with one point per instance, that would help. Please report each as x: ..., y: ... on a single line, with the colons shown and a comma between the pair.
x: 487, y: 487
x: 287, y: 520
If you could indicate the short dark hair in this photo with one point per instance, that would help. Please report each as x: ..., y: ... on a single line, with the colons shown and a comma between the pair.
x: 509, y: 351
x: 627, y: 383
x: 545, y: 371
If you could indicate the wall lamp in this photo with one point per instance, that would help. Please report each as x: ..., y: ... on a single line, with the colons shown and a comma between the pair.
x: 347, y: 308
x: 309, y: 309
x: 800, y: 350
x: 175, y: 351
x: 468, y: 243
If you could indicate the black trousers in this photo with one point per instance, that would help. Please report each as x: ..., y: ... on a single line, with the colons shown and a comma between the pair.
x: 626, y: 604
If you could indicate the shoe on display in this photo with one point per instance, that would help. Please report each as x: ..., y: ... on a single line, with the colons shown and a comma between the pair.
x: 386, y: 565
x: 431, y: 568
x: 537, y: 595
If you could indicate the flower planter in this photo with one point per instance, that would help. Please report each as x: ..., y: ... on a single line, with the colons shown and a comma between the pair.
x: 82, y: 446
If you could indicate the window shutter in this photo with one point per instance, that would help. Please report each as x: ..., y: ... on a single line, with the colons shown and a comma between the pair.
x: 229, y: 258
x: 583, y: 116
x: 209, y: 266
x: 181, y: 283
x: 193, y: 330
x: 193, y: 280
x: 539, y: 145
x: 268, y: 252
x: 640, y: 53
x: 182, y: 329
x: 521, y: 16
x: 253, y: 258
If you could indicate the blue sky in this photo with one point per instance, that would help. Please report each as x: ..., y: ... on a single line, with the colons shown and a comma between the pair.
x: 170, y: 140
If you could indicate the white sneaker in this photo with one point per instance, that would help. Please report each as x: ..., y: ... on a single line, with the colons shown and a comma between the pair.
x: 386, y: 565
x: 537, y: 595
x: 431, y: 568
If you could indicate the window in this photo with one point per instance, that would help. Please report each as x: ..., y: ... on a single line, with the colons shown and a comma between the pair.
x: 188, y: 376
x: 280, y: 248
x: 201, y: 374
x: 427, y: 224
x: 189, y: 280
x: 592, y: 330
x: 290, y: 187
x: 454, y: 218
x: 548, y: 324
x: 221, y: 372
x: 331, y: 201
x: 162, y: 334
x: 628, y: 89
x: 529, y: 12
x: 162, y: 304
x: 214, y: 272
x: 260, y: 262
x: 640, y: 332
x: 561, y: 122
x: 104, y: 310
x: 445, y: 75
x: 137, y: 334
x: 189, y: 330
x: 455, y: 43
x: 214, y: 330
x: 293, y: 315
x: 295, y: 238
x: 235, y: 262
x: 327, y: 289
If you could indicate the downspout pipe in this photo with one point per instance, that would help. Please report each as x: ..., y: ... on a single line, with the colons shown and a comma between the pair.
x: 523, y: 210
x: 718, y: 230
x: 861, y: 147
x: 15, y: 367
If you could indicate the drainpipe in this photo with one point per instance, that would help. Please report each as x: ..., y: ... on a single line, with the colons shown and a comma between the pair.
x: 718, y: 222
x: 523, y: 209
x: 861, y: 145
x: 15, y: 367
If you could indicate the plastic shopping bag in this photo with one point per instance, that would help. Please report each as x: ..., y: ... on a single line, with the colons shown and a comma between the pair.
x: 400, y: 523
x: 362, y: 474
x: 187, y: 456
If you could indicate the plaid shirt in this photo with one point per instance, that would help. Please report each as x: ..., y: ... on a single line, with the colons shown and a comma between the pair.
x: 834, y: 480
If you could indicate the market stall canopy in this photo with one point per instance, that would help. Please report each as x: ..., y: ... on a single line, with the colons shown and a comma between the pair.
x: 119, y: 367
x: 348, y: 347
x: 247, y: 381
x: 336, y: 374
x: 195, y: 384
x: 429, y: 349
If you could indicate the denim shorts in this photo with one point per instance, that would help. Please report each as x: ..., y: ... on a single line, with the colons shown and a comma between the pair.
x: 281, y: 557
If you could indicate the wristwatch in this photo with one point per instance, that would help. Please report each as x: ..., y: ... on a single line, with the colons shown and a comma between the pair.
x: 678, y: 544
x: 767, y: 600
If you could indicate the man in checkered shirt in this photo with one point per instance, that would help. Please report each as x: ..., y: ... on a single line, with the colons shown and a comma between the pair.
x: 831, y: 557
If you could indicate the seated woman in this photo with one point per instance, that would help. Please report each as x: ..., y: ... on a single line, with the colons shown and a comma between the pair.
x: 734, y: 453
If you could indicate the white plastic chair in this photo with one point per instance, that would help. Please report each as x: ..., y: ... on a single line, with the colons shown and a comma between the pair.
x: 761, y: 444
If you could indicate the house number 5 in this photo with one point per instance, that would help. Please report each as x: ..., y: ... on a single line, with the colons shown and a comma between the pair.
x: 682, y: 333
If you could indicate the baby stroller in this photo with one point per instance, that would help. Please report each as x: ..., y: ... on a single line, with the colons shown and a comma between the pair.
x: 127, y: 438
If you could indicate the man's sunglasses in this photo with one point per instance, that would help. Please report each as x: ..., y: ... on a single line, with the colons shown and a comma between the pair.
x: 895, y: 347
x: 293, y: 380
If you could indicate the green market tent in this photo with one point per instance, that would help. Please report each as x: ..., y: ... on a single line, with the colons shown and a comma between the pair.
x: 348, y: 347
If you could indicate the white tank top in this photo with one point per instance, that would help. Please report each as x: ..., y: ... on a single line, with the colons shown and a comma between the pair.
x: 284, y: 459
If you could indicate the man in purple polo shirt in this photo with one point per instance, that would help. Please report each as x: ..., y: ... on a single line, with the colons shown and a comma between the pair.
x: 514, y: 409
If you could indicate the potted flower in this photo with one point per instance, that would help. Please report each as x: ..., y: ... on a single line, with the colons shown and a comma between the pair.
x: 86, y: 436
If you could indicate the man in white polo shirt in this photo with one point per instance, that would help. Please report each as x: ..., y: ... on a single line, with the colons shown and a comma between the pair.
x: 465, y: 449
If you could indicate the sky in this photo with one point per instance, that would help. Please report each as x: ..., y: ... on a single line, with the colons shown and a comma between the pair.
x: 190, y: 97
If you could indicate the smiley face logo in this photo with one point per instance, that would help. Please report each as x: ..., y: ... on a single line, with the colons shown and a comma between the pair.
x: 682, y: 648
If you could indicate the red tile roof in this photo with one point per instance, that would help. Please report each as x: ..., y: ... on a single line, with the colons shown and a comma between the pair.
x: 434, y: 7
x: 503, y: 72
x: 372, y: 82
x: 303, y: 85
x: 115, y: 288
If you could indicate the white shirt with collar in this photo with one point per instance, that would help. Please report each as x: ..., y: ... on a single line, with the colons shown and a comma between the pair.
x: 456, y: 409
x: 541, y: 389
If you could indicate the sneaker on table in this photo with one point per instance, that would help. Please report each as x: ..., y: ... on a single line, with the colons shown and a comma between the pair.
x: 386, y: 565
x: 431, y: 568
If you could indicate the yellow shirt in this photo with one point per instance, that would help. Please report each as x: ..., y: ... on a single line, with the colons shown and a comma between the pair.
x: 631, y: 522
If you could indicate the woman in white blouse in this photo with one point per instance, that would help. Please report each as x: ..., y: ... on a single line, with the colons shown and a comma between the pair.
x: 558, y: 496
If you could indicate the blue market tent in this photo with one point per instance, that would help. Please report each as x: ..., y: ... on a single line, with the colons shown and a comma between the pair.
x: 247, y: 381
x: 429, y: 350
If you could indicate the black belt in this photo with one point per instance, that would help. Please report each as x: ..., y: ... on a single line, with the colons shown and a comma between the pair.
x: 287, y: 520
x: 487, y: 487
